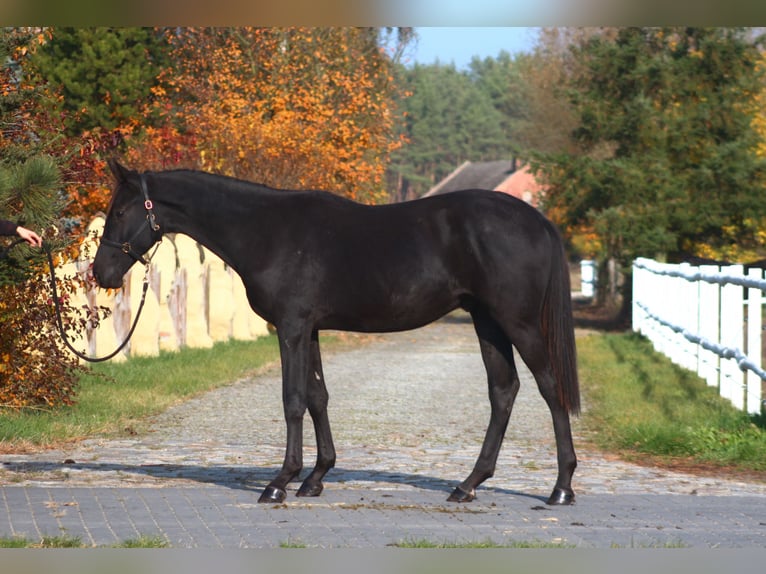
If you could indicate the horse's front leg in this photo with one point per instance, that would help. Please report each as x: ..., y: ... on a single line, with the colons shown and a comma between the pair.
x: 294, y: 347
x: 317, y: 403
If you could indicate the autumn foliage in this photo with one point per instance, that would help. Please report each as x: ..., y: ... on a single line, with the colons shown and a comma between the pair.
x: 35, y: 368
x: 291, y: 108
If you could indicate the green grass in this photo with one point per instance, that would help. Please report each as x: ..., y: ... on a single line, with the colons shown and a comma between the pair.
x: 290, y: 543
x: 14, y: 543
x: 423, y: 543
x: 76, y: 542
x: 639, y: 403
x: 116, y: 398
x: 45, y: 542
x: 144, y: 542
x: 538, y: 544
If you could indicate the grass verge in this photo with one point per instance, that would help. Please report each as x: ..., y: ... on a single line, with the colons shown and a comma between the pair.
x: 116, y: 398
x: 640, y: 404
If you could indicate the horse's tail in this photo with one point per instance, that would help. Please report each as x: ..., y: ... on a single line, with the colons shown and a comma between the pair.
x: 558, y: 328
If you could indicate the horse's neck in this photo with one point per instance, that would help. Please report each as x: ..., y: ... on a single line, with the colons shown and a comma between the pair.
x: 210, y: 223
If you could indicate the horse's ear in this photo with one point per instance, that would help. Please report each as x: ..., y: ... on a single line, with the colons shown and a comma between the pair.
x: 118, y: 170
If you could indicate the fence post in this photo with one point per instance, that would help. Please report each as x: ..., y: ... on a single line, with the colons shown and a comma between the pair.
x: 145, y: 341
x: 189, y: 258
x: 220, y: 297
x: 709, y: 323
x: 121, y: 312
x: 688, y: 306
x: 177, y: 306
x: 587, y: 277
x: 754, y: 349
x: 164, y: 261
x: 671, y: 297
x: 732, y: 335
x: 663, y: 302
x: 637, y: 315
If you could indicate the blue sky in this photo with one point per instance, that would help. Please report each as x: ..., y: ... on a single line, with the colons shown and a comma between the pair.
x: 459, y: 45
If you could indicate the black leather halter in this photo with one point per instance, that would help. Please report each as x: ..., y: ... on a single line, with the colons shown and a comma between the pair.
x: 151, y: 222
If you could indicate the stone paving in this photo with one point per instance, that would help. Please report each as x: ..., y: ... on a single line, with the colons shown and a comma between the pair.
x: 409, y: 412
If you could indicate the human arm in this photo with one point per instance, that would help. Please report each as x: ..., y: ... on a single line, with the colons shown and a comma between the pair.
x: 10, y: 228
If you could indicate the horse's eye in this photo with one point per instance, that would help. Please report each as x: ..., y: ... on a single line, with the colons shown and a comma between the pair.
x: 120, y: 212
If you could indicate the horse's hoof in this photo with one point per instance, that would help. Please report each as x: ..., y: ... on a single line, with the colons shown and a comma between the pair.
x: 561, y: 496
x: 314, y: 489
x: 273, y: 494
x: 460, y: 495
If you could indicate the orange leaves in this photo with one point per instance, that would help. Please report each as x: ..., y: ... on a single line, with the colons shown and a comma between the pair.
x: 35, y: 369
x: 86, y: 175
x: 290, y: 107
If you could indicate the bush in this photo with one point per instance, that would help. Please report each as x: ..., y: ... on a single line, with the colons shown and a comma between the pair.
x: 36, y: 370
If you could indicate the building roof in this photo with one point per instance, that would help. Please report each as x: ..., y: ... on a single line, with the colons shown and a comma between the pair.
x: 499, y: 175
x: 478, y: 175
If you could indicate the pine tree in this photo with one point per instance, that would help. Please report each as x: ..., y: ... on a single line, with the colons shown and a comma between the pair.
x: 30, y: 187
x: 105, y: 75
x: 450, y: 118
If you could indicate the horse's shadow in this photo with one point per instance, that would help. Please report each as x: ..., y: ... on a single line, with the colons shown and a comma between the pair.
x: 250, y: 478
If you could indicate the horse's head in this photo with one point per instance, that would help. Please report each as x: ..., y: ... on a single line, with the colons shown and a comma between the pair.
x: 130, y: 229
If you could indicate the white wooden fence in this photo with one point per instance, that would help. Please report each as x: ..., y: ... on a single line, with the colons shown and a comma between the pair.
x: 193, y: 300
x: 707, y: 319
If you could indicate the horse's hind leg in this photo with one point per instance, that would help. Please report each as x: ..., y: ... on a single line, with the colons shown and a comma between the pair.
x: 317, y: 403
x: 532, y: 349
x: 497, y: 353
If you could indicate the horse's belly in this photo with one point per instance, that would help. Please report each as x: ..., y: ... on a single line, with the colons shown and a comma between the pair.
x: 390, y: 311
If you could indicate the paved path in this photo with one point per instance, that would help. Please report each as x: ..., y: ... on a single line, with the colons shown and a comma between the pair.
x: 408, y: 412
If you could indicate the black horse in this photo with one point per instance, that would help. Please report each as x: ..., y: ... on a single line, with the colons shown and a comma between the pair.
x: 311, y: 260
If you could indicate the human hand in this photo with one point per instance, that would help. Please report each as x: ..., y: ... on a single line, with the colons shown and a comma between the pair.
x: 29, y: 236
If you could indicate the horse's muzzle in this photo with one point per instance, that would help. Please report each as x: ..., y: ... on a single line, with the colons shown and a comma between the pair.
x: 108, y: 283
x: 107, y: 278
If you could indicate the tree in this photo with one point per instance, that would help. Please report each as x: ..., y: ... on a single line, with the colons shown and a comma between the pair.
x: 668, y: 162
x: 98, y: 82
x: 759, y: 121
x: 500, y: 80
x: 35, y: 370
x: 547, y: 121
x: 290, y: 107
x: 451, y: 117
x: 104, y: 75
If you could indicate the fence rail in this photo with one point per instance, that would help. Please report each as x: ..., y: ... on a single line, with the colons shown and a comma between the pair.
x: 707, y: 319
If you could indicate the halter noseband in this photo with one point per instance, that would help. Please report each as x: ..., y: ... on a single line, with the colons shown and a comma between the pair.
x: 151, y: 221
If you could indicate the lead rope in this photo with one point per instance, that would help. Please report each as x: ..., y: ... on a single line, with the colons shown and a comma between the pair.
x: 6, y: 250
x: 60, y: 322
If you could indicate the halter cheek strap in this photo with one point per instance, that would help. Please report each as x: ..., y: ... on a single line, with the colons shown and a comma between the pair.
x: 148, y: 205
x: 151, y: 221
